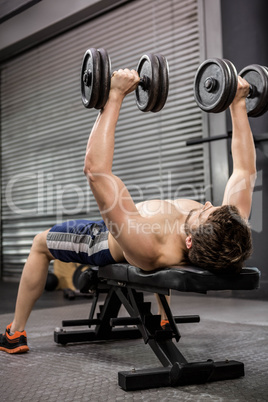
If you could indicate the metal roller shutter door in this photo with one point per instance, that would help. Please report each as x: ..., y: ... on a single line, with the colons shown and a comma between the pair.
x: 45, y: 127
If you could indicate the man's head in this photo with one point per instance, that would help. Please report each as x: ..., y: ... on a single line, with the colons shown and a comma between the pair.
x: 218, y: 238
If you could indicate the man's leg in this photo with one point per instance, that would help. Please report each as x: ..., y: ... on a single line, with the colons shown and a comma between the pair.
x: 32, y: 281
x: 161, y: 311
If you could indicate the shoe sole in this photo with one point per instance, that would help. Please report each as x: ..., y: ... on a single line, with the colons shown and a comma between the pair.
x: 19, y: 349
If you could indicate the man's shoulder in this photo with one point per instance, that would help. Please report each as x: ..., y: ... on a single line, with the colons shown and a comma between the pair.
x: 186, y: 204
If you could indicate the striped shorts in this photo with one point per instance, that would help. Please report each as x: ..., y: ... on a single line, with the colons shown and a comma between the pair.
x: 81, y: 241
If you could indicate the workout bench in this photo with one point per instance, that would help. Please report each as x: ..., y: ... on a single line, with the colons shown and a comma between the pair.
x: 124, y: 285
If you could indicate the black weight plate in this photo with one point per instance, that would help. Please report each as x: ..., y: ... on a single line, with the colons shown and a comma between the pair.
x: 257, y: 76
x: 265, y: 109
x: 214, y: 99
x: 88, y: 280
x: 232, y: 85
x: 148, y: 66
x: 163, y: 83
x: 105, y: 81
x: 90, y: 91
x: 77, y: 274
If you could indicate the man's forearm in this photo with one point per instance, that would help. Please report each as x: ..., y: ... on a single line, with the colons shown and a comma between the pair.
x: 243, y: 147
x: 100, y: 147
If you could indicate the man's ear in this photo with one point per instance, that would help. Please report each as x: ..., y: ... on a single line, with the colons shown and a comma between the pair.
x: 188, y: 242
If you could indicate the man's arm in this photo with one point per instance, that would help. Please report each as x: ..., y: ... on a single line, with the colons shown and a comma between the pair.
x: 114, y: 201
x: 240, y: 186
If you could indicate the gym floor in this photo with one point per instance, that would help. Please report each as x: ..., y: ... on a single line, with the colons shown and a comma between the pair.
x: 230, y: 328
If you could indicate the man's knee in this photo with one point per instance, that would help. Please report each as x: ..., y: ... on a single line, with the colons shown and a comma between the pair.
x: 40, y: 244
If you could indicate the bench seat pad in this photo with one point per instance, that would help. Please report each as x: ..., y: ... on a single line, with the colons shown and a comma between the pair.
x: 181, y: 278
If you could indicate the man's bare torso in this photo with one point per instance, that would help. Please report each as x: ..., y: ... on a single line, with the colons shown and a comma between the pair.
x: 164, y: 222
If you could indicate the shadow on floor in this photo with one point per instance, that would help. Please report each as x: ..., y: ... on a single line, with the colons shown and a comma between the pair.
x: 55, y: 298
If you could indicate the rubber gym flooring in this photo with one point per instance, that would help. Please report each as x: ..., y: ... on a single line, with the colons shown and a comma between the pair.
x: 230, y: 328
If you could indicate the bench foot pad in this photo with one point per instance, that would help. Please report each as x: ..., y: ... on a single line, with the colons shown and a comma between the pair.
x: 180, y: 374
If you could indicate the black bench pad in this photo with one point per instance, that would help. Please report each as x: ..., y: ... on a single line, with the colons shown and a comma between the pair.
x: 181, y: 278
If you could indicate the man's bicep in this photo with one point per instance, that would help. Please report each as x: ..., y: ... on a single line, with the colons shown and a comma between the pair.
x: 132, y: 231
x: 114, y: 201
x: 239, y: 191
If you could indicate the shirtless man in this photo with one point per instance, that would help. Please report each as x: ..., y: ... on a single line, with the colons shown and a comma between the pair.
x: 152, y: 234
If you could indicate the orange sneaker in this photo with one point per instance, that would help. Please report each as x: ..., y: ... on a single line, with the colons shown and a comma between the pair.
x: 165, y: 325
x: 16, y: 343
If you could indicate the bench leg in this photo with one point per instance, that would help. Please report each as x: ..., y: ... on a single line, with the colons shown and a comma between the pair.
x: 176, y: 371
x: 103, y: 329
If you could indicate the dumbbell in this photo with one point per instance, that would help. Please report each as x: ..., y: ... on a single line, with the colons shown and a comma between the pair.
x: 215, y: 86
x: 51, y: 282
x: 88, y: 280
x: 151, y: 93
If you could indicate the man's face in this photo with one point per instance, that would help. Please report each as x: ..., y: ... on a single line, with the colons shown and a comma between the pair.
x: 199, y: 216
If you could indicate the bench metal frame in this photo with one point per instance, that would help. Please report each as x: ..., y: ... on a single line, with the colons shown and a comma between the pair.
x: 175, y: 369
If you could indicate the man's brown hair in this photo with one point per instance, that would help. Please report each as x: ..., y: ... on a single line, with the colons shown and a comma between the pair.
x: 222, y: 243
